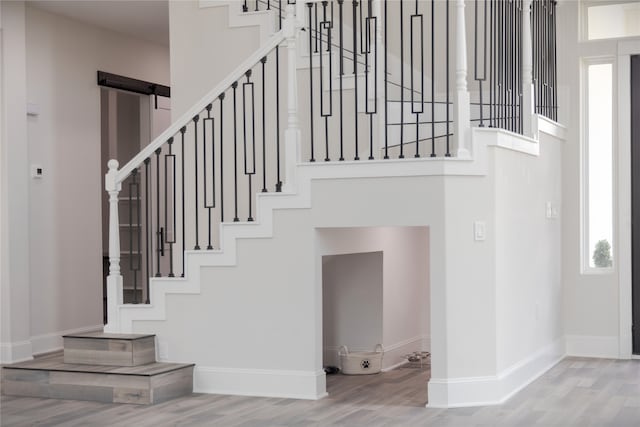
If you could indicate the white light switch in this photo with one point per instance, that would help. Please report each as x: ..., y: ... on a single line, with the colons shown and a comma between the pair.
x: 549, y: 210
x: 479, y: 230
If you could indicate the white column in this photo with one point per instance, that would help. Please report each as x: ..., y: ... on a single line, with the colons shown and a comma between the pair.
x: 462, y: 103
x: 528, y: 101
x: 114, y: 280
x: 292, y: 133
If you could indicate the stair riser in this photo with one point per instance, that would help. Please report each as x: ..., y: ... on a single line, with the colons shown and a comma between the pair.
x: 107, y: 388
x: 109, y: 352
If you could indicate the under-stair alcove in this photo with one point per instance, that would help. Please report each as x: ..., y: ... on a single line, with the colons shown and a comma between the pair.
x: 376, y: 290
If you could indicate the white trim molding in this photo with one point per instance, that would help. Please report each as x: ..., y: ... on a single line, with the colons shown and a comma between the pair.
x: 592, y: 346
x: 494, y: 389
x: 308, y: 385
x: 14, y: 352
x: 47, y: 343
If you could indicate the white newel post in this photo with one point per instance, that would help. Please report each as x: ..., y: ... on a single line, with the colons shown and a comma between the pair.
x: 462, y: 103
x: 292, y: 133
x: 528, y: 101
x: 114, y: 280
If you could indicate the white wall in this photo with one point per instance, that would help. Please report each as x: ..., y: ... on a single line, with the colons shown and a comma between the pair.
x: 14, y: 268
x: 590, y: 307
x: 406, y: 302
x: 351, y: 303
x: 58, y: 217
x: 528, y: 253
x: 202, y: 36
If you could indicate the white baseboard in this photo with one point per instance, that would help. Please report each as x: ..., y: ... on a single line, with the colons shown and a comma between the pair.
x: 592, y: 346
x: 47, y: 343
x: 14, y: 352
x: 260, y: 382
x: 493, y: 390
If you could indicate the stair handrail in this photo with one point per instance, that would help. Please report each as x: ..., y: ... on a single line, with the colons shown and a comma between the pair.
x: 275, y: 40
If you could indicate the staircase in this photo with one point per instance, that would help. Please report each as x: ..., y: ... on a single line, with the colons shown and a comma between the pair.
x: 230, y: 197
x: 109, y: 368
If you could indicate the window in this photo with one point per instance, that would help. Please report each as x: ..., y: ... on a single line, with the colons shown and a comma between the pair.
x: 606, y: 21
x: 598, y: 167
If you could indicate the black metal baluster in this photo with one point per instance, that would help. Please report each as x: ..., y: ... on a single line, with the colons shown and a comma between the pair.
x: 278, y: 180
x: 309, y: 5
x: 326, y: 25
x: 195, y: 162
x: 491, y: 64
x: 183, y: 130
x: 555, y: 59
x: 147, y: 218
x: 447, y: 153
x: 257, y: 3
x: 484, y: 55
x: 433, y: 80
x: 221, y: 98
x: 315, y: 11
x: 417, y: 17
x: 235, y: 154
x: 355, y: 76
x: 386, y: 86
x: 371, y: 25
x: 159, y: 232
x: 207, y: 205
x: 134, y: 252
x: 263, y: 61
x: 249, y: 165
x: 245, y: 8
x: 340, y: 3
x: 401, y: 156
x: 170, y: 159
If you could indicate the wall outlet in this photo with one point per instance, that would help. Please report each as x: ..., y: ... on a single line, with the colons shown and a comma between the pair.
x: 36, y: 171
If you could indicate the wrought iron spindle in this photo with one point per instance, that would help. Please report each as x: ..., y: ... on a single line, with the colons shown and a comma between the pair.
x: 195, y: 162
x: 311, y: 36
x: 433, y: 80
x: 401, y: 156
x: 160, y: 230
x: 134, y: 251
x: 170, y: 224
x: 148, y: 226
x: 355, y: 77
x: 209, y: 203
x: 249, y: 162
x: 325, y: 112
x: 234, y: 86
x: 340, y: 20
x: 221, y: 99
x: 447, y: 90
x: 263, y: 61
x: 370, y: 32
x: 183, y: 130
x: 417, y: 19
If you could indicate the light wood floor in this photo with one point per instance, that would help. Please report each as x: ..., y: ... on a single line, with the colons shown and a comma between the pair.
x: 576, y: 392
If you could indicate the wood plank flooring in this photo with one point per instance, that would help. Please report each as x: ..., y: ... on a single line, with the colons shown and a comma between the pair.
x: 576, y: 392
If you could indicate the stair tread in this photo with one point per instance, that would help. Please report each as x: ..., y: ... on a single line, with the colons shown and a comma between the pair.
x: 55, y: 363
x: 108, y: 336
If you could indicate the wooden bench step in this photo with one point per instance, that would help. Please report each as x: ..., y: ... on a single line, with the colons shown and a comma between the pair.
x: 50, y: 377
x: 99, y: 348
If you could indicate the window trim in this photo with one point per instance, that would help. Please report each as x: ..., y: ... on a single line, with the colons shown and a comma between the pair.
x: 583, y: 30
x: 585, y: 250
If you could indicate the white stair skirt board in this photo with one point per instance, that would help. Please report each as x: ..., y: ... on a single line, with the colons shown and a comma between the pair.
x: 259, y: 382
x: 592, y: 346
x: 14, y: 352
x: 494, y: 390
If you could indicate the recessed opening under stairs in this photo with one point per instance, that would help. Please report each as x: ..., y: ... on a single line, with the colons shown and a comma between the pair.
x: 376, y: 305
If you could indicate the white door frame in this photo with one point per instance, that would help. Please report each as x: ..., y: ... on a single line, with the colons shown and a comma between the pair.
x: 625, y: 50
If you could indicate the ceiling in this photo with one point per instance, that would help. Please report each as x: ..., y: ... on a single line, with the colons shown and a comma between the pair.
x: 144, y: 19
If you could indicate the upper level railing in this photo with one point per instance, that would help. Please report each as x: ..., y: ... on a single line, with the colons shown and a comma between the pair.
x: 357, y: 81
